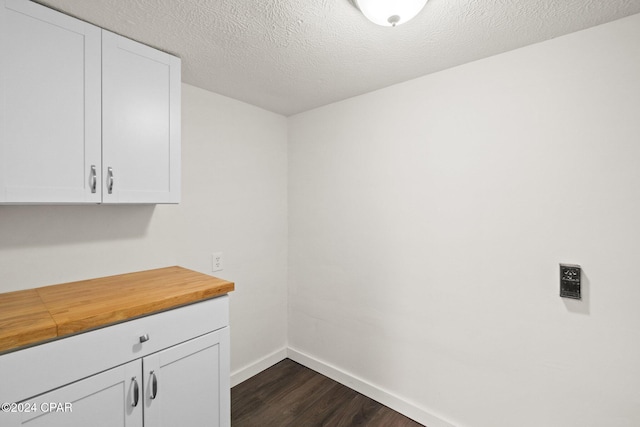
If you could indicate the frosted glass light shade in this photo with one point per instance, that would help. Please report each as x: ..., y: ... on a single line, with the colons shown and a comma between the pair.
x: 390, y: 12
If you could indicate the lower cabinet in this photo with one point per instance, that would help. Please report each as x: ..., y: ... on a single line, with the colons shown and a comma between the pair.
x: 103, y: 400
x: 184, y: 385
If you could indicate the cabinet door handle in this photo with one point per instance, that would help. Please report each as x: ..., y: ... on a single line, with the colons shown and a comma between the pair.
x: 110, y: 180
x: 144, y: 338
x: 94, y: 179
x: 136, y: 392
x: 154, y: 385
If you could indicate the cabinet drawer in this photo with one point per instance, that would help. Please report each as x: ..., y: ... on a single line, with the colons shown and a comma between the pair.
x: 27, y: 372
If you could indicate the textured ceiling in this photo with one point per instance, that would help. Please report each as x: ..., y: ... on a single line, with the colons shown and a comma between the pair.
x: 289, y: 56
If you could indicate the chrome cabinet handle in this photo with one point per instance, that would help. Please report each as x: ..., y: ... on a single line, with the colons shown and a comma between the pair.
x: 136, y: 392
x: 110, y: 180
x: 154, y: 385
x: 144, y: 338
x: 94, y: 179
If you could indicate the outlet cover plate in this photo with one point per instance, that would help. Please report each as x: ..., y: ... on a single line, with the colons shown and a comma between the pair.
x: 216, y: 261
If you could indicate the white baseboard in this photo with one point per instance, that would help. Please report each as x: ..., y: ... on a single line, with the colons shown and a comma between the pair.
x: 394, y: 402
x: 247, y: 372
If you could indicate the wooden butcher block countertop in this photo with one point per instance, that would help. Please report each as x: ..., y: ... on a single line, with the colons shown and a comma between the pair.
x: 34, y: 315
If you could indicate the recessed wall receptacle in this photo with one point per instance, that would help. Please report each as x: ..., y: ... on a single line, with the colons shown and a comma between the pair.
x: 570, y: 280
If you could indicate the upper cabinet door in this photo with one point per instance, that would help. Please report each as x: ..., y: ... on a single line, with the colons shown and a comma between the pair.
x: 141, y: 123
x: 50, y: 129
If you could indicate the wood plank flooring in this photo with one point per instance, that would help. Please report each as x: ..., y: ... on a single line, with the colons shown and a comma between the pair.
x: 291, y: 395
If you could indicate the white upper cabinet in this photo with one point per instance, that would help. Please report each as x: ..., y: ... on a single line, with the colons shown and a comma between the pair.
x: 50, y: 116
x: 87, y: 116
x: 141, y: 123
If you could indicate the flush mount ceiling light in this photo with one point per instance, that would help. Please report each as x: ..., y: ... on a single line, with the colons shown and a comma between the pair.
x: 390, y: 12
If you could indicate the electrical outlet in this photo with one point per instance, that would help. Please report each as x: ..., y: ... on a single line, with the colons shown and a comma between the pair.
x: 216, y: 261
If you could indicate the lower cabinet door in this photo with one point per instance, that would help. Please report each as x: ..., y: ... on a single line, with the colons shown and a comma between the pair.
x: 107, y: 399
x: 187, y: 385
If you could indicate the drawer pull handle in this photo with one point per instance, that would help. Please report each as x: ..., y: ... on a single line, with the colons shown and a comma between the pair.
x: 154, y: 385
x: 144, y: 338
x: 110, y: 180
x: 94, y: 179
x: 136, y: 392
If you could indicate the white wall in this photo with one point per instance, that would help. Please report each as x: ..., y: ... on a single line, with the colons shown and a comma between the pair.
x: 427, y: 221
x: 234, y: 200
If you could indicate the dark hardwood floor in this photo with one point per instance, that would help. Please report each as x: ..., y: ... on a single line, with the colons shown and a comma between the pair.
x: 289, y: 394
